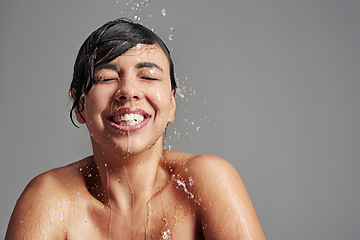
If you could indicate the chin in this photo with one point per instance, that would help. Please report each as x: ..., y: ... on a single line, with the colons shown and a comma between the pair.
x: 134, y: 145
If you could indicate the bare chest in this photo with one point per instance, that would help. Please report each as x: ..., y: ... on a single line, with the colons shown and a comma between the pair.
x: 163, y: 217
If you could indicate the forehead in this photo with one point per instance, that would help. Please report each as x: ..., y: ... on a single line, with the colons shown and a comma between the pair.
x: 144, y: 53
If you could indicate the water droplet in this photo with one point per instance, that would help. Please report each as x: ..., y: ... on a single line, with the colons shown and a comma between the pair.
x: 89, y: 175
x: 171, y: 36
x: 137, y: 18
x: 198, y: 129
x: 163, y: 12
x: 191, y: 180
x: 80, y: 169
x: 105, y: 164
x: 172, y: 29
x: 181, y: 95
x: 166, y: 234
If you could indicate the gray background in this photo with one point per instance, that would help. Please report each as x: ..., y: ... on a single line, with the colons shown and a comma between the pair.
x: 272, y: 84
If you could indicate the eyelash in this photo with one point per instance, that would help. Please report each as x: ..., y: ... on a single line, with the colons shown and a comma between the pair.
x: 148, y: 78
x: 111, y: 79
x: 104, y: 80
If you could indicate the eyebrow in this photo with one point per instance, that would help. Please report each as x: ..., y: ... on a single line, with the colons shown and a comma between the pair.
x: 148, y: 65
x: 138, y: 66
x: 106, y: 66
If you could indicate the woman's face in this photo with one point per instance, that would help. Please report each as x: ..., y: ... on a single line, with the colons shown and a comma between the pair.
x: 131, y: 101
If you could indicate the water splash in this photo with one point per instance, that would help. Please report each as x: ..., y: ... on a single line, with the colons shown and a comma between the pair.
x: 186, y: 97
x: 166, y: 234
x: 132, y: 9
x: 183, y: 185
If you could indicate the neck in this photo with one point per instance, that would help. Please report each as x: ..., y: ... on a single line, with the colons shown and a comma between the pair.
x: 130, y: 180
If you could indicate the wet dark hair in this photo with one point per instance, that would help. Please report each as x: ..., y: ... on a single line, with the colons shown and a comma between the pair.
x: 104, y: 45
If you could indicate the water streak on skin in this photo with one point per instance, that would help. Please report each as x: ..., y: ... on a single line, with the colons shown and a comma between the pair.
x: 148, y: 209
x: 110, y: 211
x: 148, y: 216
x: 163, y: 213
x: 166, y: 230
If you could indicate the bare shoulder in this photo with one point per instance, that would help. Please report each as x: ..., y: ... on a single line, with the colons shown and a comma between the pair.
x: 206, y: 169
x: 223, y: 204
x: 40, y: 210
x: 55, y: 182
x: 204, y: 166
x: 214, y: 177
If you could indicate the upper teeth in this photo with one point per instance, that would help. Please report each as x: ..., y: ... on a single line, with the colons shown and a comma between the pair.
x: 129, y: 119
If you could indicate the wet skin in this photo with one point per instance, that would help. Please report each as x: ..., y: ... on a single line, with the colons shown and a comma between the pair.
x: 130, y: 188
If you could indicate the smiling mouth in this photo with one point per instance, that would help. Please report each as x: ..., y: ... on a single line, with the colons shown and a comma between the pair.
x: 129, y: 119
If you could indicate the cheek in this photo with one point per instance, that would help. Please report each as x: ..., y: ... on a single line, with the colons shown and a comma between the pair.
x: 160, y: 97
x: 96, y: 102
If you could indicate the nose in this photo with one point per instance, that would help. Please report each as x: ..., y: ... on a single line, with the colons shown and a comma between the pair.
x: 128, y: 89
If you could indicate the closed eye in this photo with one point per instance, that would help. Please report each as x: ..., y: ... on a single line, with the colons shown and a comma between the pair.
x: 105, y: 80
x: 149, y: 78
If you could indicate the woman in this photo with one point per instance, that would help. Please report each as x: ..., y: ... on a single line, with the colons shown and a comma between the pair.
x: 123, y: 89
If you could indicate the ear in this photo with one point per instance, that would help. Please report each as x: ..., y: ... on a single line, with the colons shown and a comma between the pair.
x: 172, y: 107
x: 79, y: 118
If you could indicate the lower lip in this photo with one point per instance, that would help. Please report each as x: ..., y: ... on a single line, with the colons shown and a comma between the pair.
x: 128, y: 128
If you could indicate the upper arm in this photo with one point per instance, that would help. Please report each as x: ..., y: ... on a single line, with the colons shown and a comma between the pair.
x: 38, y: 213
x: 223, y: 204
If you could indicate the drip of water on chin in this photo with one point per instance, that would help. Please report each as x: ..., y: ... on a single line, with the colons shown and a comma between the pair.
x: 128, y: 145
